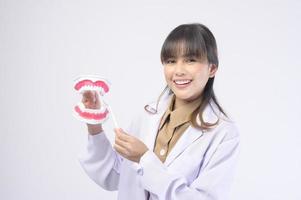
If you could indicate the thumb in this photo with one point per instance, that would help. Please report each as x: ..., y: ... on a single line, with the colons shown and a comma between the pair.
x: 118, y: 130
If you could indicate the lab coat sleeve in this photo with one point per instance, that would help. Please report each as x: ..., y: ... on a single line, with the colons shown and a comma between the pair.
x: 100, y: 161
x: 212, y: 182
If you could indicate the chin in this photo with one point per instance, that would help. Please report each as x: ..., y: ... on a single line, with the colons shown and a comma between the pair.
x: 183, y: 97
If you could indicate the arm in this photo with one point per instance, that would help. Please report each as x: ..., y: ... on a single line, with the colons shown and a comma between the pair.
x: 100, y: 161
x: 212, y: 183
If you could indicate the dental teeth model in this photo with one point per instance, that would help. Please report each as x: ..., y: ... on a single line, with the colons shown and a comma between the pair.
x: 92, y: 83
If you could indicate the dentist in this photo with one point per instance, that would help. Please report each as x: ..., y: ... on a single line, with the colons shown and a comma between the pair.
x: 183, y: 146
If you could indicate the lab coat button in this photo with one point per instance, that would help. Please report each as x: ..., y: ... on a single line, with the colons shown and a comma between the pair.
x: 140, y: 172
x: 162, y: 152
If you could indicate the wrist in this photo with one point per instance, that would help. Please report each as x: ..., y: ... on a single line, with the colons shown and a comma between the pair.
x: 145, y: 150
x: 94, y: 129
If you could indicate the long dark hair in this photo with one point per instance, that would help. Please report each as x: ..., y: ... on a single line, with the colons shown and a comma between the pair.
x: 194, y: 40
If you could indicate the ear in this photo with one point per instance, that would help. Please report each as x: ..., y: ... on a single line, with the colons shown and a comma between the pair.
x: 212, y: 70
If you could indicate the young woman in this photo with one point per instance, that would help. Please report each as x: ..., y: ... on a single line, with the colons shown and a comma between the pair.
x: 181, y: 147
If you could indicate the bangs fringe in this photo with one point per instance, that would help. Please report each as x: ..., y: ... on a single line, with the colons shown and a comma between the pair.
x: 185, y: 43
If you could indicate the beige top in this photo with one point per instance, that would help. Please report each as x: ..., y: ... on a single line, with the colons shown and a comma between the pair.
x: 172, y: 126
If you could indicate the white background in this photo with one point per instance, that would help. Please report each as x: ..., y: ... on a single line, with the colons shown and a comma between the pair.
x: 44, y: 45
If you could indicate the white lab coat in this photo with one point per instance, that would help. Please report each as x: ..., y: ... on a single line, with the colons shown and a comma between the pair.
x: 200, y: 166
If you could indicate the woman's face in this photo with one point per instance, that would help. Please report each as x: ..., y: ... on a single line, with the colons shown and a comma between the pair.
x: 187, y: 77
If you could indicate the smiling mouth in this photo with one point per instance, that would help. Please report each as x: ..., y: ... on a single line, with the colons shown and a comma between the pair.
x: 182, y: 82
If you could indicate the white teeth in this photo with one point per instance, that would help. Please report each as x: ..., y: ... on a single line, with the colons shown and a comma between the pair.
x: 182, y: 82
x: 93, y: 111
x: 93, y: 88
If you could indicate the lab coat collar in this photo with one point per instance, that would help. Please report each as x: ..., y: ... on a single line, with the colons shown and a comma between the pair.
x: 211, y: 114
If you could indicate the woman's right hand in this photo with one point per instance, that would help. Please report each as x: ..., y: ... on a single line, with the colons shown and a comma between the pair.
x: 91, y: 101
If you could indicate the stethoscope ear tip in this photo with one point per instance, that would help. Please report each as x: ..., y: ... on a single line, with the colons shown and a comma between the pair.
x: 150, y: 109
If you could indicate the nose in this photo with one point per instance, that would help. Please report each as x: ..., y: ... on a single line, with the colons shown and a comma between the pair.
x: 179, y: 69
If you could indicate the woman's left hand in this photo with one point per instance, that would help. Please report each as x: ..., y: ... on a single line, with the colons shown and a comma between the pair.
x: 129, y: 146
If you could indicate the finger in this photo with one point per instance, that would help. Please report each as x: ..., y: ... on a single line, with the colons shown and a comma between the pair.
x: 121, y: 142
x: 123, y: 135
x: 97, y: 100
x: 84, y: 99
x: 122, y: 151
x: 93, y: 96
x: 86, y: 102
x: 88, y: 94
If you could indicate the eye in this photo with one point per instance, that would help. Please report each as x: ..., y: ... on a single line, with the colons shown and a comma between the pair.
x: 170, y: 61
x: 191, y: 60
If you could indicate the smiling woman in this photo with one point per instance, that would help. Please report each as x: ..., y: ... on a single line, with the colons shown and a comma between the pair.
x: 189, y: 55
x: 184, y: 147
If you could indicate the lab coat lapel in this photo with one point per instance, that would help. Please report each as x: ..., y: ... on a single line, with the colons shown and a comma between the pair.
x: 192, y: 134
x: 150, y: 135
x: 188, y: 137
x: 153, y: 122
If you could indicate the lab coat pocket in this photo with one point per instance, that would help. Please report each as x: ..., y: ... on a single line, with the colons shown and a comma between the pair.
x: 188, y: 166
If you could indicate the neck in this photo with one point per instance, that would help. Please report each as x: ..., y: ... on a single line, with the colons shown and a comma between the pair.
x: 178, y: 103
x: 181, y: 102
